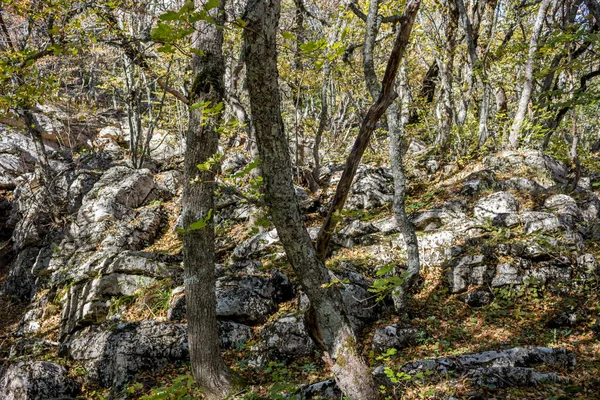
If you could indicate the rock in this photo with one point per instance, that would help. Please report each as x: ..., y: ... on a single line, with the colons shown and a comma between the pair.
x: 89, y: 303
x: 255, y: 245
x: 246, y: 299
x: 372, y: 188
x: 358, y: 228
x: 111, y: 204
x: 37, y: 380
x: 432, y: 166
x: 394, y: 336
x: 416, y: 147
x: 590, y: 209
x: 169, y: 183
x: 502, y: 377
x: 428, y: 220
x: 469, y: 270
x: 18, y: 155
x: 321, y: 390
x: 564, y: 319
x: 21, y: 280
x: 507, y: 274
x: 112, y: 356
x: 565, y: 207
x: 588, y: 264
x: 233, y: 163
x: 251, y: 299
x: 549, y: 170
x: 478, y: 298
x: 477, y: 182
x: 387, y: 226
x: 435, y: 248
x: 522, y: 185
x: 177, y: 309
x: 30, y: 213
x: 286, y: 339
x: 233, y: 335
x: 522, y: 357
x: 494, y: 204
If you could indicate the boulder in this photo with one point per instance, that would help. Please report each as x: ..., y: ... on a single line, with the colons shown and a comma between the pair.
x: 522, y: 185
x: 478, y: 298
x: 113, y: 355
x: 549, y: 171
x: 232, y: 335
x: 507, y: 274
x: 37, y: 380
x: 469, y: 270
x: 372, y: 188
x: 251, y: 299
x: 244, y: 299
x: 394, y: 336
x: 89, y: 303
x: 326, y: 389
x: 494, y: 204
x: 286, y: 338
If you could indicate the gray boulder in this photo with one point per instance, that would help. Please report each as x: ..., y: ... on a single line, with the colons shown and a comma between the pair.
x: 37, y: 380
x: 286, y: 338
x: 232, y: 334
x: 494, y: 204
x: 113, y: 355
x: 468, y: 271
x: 372, y: 188
x: 394, y: 336
x: 251, y: 299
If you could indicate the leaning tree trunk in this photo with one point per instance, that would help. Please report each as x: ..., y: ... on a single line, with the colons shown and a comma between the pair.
x: 397, y: 118
x: 332, y: 330
x: 202, y: 139
x: 515, y: 130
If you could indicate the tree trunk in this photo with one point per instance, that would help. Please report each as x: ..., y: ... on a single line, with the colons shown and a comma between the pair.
x: 515, y: 130
x: 332, y: 326
x: 198, y: 204
x: 396, y: 132
x: 446, y: 67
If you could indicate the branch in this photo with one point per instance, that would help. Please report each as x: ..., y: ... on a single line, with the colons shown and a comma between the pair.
x: 357, y: 11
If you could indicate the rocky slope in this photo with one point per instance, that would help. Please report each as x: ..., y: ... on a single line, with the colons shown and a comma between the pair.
x: 92, y: 279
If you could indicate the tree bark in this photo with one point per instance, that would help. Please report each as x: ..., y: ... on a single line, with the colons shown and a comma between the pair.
x: 332, y: 327
x: 202, y: 139
x: 515, y: 130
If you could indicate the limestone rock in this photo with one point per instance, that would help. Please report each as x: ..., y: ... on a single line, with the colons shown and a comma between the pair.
x: 394, y: 336
x: 37, y: 380
x: 112, y: 356
x: 286, y: 338
x: 469, y: 270
x: 494, y: 204
x: 232, y: 334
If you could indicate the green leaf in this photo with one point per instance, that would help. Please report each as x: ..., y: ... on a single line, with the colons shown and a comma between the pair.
x: 200, y: 224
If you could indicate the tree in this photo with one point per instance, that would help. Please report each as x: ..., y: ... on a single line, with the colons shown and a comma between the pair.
x: 206, y: 97
x: 333, y: 329
x: 515, y: 130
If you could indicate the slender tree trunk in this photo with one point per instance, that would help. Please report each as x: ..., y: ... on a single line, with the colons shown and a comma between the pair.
x: 446, y: 67
x: 515, y: 130
x: 397, y: 118
x: 332, y: 328
x: 198, y: 204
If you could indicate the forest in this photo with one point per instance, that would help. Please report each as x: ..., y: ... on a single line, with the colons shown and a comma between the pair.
x: 299, y: 199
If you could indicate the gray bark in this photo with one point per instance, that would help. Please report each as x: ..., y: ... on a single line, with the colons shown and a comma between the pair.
x: 207, y: 364
x: 332, y: 327
x: 397, y: 118
x: 446, y: 67
x: 515, y: 130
